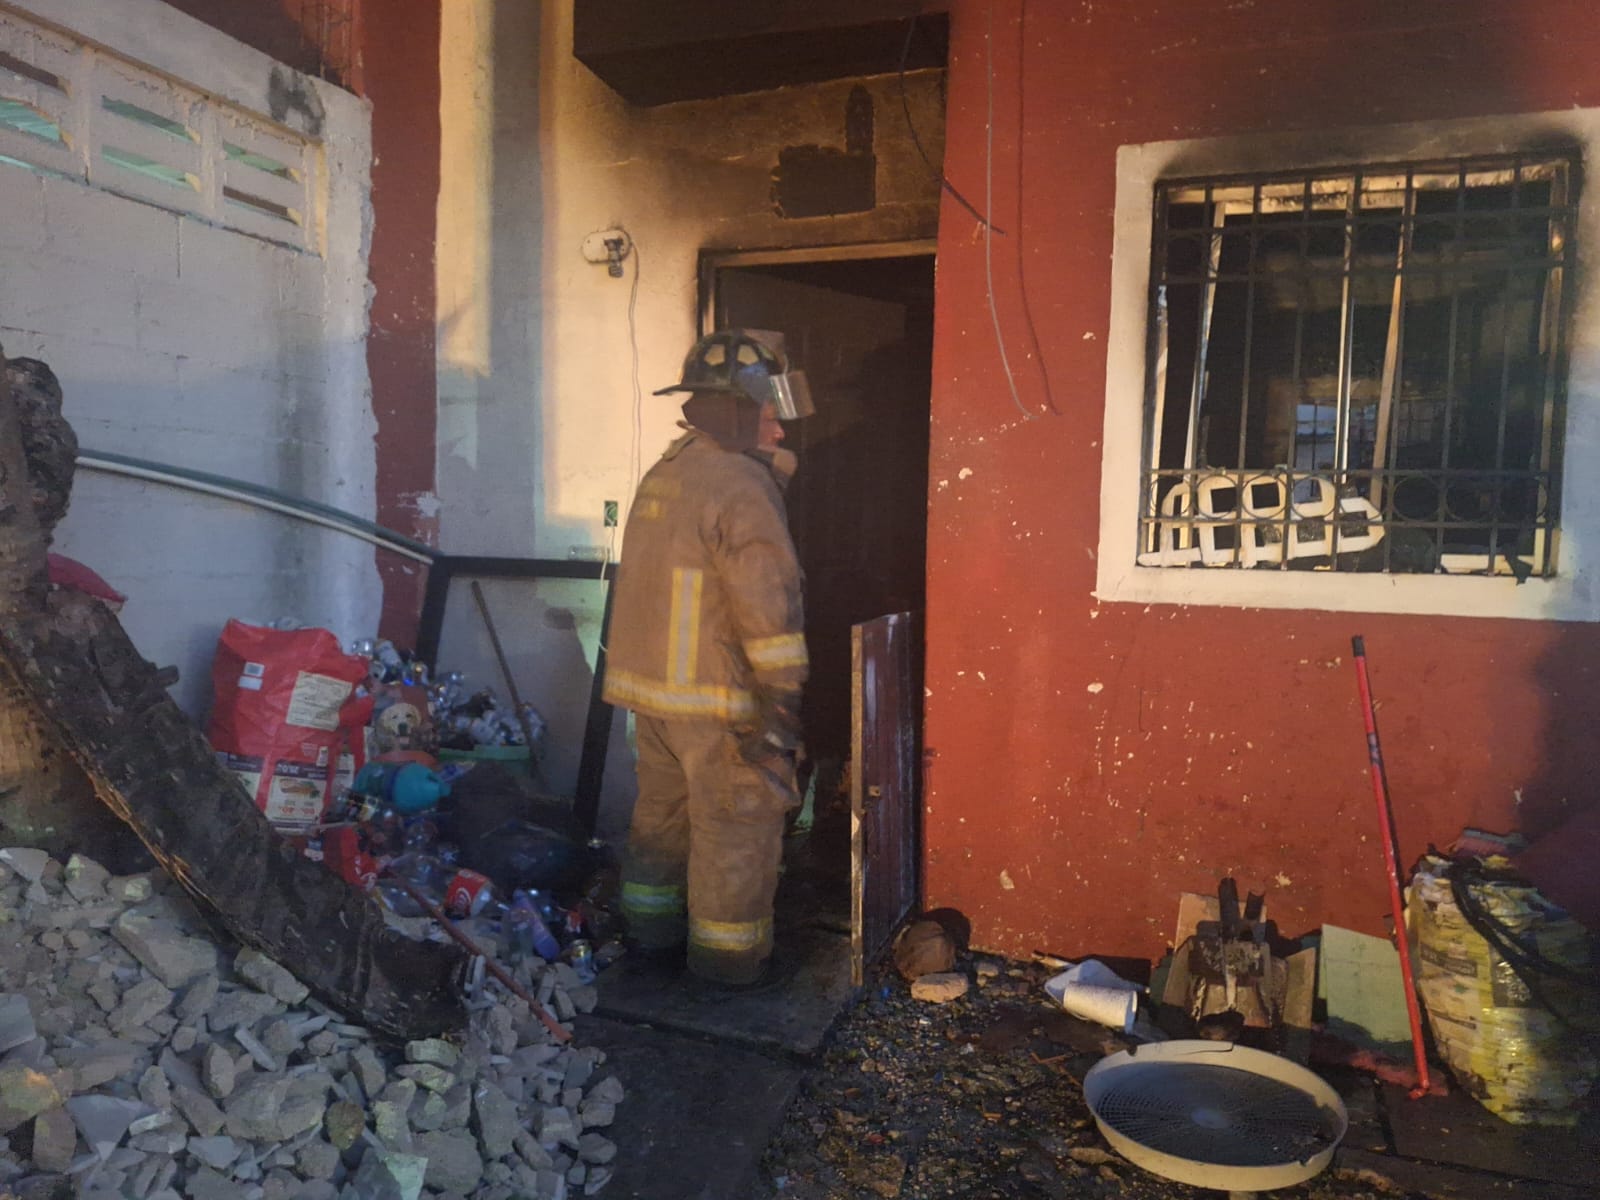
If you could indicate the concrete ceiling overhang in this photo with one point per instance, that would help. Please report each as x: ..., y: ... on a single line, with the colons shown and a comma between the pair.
x: 654, y: 53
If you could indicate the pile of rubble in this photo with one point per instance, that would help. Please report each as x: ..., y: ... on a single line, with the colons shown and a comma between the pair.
x: 135, y: 1061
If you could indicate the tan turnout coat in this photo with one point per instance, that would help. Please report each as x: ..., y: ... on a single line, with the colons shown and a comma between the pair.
x: 708, y: 602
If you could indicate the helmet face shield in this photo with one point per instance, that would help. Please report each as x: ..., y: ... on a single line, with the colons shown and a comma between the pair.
x: 791, y: 395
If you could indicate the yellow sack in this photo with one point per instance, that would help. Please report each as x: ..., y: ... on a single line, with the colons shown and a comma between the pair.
x: 1504, y: 1046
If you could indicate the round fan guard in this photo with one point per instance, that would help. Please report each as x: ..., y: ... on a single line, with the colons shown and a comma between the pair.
x: 1215, y: 1115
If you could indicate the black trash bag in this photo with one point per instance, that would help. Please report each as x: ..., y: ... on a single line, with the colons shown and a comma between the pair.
x: 516, y: 838
x: 520, y: 855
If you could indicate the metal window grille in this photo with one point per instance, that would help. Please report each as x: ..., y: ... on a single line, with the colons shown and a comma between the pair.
x: 72, y: 110
x: 1360, y: 369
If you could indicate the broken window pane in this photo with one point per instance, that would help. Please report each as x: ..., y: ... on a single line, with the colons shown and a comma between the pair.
x: 1359, y: 370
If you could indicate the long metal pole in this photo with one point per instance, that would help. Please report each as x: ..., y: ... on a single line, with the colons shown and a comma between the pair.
x: 511, y: 683
x: 557, y: 1030
x: 1380, y: 791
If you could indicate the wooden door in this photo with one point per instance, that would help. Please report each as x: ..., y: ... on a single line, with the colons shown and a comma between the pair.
x: 885, y: 791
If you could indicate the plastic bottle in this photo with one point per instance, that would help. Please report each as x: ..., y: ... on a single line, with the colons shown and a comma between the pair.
x: 527, y: 933
x: 421, y: 836
x: 423, y: 871
x: 407, y: 787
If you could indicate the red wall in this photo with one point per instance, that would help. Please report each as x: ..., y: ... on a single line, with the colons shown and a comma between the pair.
x: 1220, y: 741
x: 400, y: 68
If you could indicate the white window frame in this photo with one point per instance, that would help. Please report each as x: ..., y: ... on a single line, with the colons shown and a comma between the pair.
x: 1572, y: 593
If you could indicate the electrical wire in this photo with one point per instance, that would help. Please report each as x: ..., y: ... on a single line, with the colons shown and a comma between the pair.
x: 988, y: 230
x: 1525, y: 959
x: 636, y: 442
x: 636, y: 451
x: 911, y: 128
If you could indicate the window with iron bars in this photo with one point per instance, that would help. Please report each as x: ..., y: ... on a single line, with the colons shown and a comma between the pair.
x: 1361, y: 369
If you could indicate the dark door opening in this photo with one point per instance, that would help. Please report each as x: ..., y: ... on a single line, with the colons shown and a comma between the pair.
x: 859, y: 322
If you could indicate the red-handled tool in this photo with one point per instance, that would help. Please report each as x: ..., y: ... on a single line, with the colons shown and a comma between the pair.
x: 1380, y: 790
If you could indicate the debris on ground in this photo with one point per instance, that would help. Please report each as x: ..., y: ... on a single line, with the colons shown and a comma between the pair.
x: 978, y: 1097
x: 140, y: 1058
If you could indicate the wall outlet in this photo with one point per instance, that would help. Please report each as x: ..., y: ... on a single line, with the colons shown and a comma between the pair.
x: 611, y: 514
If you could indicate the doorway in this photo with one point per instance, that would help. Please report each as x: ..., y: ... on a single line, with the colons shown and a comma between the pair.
x: 859, y: 321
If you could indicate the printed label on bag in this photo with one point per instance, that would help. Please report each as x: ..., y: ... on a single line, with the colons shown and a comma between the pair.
x: 295, y: 796
x: 316, y: 701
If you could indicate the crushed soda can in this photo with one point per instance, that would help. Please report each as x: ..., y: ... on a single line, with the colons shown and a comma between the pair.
x: 580, y: 956
x: 467, y: 894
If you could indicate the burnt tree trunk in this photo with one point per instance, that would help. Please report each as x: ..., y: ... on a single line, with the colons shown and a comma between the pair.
x: 46, y: 800
x: 87, y: 689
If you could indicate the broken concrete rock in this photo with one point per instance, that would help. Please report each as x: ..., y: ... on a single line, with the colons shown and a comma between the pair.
x: 129, y: 889
x: 24, y: 1094
x: 344, y: 1123
x: 206, y: 1184
x: 556, y: 1126
x: 16, y: 1022
x: 385, y: 1175
x: 391, y: 1124
x: 166, y: 951
x: 154, y: 1089
x: 453, y: 1162
x: 217, y: 1153
x: 98, y: 1008
x: 104, y: 1120
x: 140, y: 1003
x: 204, y: 1117
x: 369, y: 1070
x: 55, y: 1140
x: 428, y: 1075
x: 319, y: 1160
x: 268, y: 976
x: 939, y: 988
x: 495, y: 1118
x: 85, y: 879
x: 432, y: 1050
x: 217, y: 1070
x: 233, y: 1009
x: 27, y: 862
x: 199, y: 997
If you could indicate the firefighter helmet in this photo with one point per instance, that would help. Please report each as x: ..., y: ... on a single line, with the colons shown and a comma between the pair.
x: 734, y: 361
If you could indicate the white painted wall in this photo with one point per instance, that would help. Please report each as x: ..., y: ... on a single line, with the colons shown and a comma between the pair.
x: 541, y: 416
x: 190, y: 344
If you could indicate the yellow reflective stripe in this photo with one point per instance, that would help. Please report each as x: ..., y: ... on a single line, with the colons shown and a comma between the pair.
x: 683, y: 632
x: 730, y: 935
x: 674, y: 700
x: 771, y: 653
x: 654, y: 898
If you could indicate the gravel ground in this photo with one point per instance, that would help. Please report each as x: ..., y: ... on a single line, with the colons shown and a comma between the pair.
x: 980, y: 1097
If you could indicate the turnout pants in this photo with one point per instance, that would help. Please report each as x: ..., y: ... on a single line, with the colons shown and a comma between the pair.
x: 705, y: 847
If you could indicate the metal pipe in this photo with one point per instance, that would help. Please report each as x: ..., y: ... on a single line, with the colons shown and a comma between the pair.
x: 557, y: 1030
x: 258, y: 496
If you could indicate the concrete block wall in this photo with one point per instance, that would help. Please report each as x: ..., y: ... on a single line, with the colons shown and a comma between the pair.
x: 194, y: 345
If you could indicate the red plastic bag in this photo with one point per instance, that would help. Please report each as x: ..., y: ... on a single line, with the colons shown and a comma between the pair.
x: 285, y: 703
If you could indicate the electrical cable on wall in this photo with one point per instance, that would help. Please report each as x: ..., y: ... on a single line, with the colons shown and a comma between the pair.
x: 636, y: 450
x: 636, y: 441
x: 911, y: 128
x: 988, y: 230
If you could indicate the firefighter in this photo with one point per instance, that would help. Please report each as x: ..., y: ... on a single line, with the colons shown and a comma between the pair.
x: 706, y: 648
